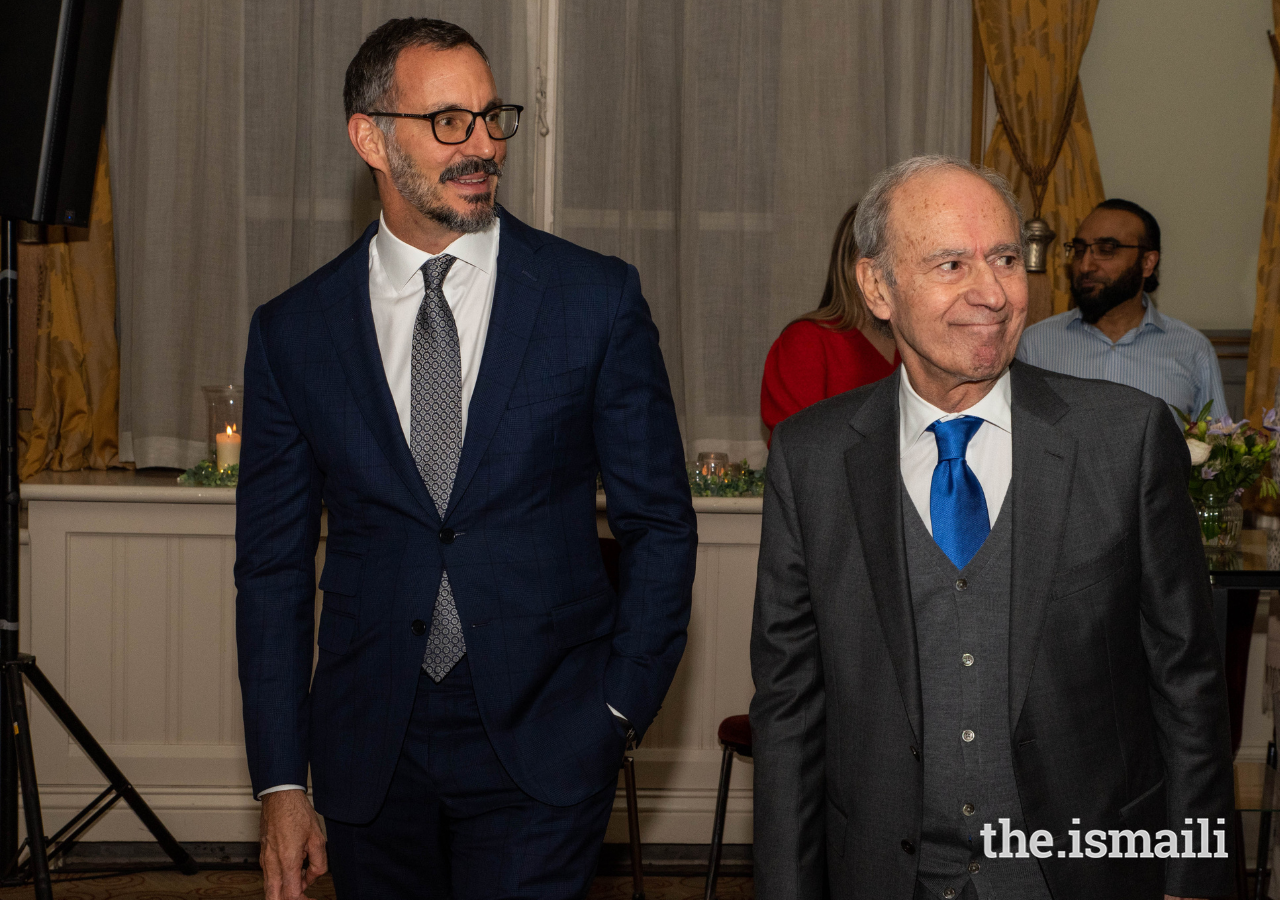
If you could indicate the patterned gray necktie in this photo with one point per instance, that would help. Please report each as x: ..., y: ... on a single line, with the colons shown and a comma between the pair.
x: 435, y: 438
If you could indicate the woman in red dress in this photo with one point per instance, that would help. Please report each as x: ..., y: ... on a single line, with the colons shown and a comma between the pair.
x: 835, y: 348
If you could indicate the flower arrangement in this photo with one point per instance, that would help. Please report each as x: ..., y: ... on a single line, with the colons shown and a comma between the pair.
x: 1228, y: 457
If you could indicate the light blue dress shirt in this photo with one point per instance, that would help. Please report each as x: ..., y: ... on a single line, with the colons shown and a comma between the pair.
x: 1162, y: 356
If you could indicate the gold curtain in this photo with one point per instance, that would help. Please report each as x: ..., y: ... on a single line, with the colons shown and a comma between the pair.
x: 1264, y: 345
x: 70, y: 286
x: 1033, y: 50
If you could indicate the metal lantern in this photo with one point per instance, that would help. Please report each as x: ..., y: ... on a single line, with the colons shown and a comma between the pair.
x: 1039, y: 238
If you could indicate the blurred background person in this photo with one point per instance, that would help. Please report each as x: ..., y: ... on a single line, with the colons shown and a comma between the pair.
x: 1115, y: 332
x: 835, y: 348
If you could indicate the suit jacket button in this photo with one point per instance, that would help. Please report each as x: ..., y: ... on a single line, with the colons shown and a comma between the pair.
x: 915, y: 752
x: 908, y: 847
x: 418, y: 627
x: 446, y: 535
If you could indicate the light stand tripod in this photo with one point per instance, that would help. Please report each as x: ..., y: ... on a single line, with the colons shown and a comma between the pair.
x: 17, y: 761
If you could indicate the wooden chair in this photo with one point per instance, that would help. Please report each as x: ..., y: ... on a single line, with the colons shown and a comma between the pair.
x: 735, y: 735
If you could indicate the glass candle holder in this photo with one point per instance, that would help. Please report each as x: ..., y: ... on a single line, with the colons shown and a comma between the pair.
x: 224, y: 404
x: 713, y: 463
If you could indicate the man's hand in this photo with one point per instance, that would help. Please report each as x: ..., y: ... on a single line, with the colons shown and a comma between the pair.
x: 289, y: 835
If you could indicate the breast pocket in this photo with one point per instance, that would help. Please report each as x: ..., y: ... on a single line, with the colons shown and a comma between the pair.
x: 541, y: 387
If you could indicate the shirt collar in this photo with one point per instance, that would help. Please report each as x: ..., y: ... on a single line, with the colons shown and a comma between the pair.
x: 401, y: 261
x: 1150, y: 316
x: 917, y: 413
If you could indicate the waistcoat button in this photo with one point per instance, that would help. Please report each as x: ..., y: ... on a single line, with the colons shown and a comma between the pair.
x: 418, y: 627
x: 967, y: 659
x: 969, y: 809
x: 974, y: 867
x: 908, y: 847
x: 961, y: 584
x: 966, y: 735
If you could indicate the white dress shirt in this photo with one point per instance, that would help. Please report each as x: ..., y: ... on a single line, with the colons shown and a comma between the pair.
x: 396, y: 289
x: 989, y: 454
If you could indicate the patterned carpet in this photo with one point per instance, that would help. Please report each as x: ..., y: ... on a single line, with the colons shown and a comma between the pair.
x: 241, y: 885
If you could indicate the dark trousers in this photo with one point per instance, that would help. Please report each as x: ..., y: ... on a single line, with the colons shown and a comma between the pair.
x: 454, y: 824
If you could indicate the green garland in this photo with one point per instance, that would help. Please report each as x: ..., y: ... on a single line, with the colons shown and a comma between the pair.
x: 747, y: 483
x: 207, y: 474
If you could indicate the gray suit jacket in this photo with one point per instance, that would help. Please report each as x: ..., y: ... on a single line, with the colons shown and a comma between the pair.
x: 1117, y: 700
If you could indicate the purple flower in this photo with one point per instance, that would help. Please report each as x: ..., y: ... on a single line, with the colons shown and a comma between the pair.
x: 1226, y: 427
x: 1271, y: 421
x: 1208, y: 473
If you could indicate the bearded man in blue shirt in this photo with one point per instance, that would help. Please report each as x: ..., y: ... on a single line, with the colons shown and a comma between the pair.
x: 1115, y: 333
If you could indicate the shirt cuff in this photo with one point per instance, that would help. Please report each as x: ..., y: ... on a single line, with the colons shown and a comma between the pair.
x: 611, y: 709
x: 280, y: 787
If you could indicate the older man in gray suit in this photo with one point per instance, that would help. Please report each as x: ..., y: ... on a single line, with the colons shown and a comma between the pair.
x: 983, y: 648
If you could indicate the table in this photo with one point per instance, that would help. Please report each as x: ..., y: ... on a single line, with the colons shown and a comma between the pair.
x: 1247, y: 568
x: 1237, y: 578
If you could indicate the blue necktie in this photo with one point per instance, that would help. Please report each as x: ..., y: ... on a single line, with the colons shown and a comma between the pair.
x: 957, y: 505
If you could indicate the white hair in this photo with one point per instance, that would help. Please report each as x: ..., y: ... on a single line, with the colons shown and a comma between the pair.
x: 871, y: 227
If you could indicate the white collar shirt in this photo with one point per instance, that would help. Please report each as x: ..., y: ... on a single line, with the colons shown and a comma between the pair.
x: 396, y: 289
x: 989, y: 454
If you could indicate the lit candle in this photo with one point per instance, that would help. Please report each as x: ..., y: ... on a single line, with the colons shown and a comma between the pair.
x: 228, y: 448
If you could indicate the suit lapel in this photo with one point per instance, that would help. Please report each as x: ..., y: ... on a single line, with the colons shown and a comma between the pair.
x: 877, y: 506
x: 517, y: 297
x: 350, y: 319
x: 1043, y: 462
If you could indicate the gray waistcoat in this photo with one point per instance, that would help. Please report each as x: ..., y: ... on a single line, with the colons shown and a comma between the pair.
x: 963, y: 616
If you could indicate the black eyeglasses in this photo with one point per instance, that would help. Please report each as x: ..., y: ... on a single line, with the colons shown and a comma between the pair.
x: 1102, y: 249
x: 454, y: 126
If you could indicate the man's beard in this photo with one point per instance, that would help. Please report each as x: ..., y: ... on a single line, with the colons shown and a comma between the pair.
x: 425, y: 196
x: 1094, y: 306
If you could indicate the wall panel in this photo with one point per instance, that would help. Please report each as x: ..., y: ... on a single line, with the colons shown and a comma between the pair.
x: 133, y: 619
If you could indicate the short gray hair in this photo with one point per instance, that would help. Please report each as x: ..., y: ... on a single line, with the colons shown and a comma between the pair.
x: 871, y: 227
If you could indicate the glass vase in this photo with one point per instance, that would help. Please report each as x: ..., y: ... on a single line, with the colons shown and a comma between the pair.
x: 223, y: 405
x: 1221, y: 519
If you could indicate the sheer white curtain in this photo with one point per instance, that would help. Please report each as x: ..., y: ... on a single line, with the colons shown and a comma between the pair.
x: 233, y: 179
x: 715, y: 144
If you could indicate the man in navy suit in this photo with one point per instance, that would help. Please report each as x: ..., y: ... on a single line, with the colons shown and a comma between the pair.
x: 448, y: 389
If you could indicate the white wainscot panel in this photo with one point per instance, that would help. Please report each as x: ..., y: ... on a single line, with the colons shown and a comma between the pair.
x: 678, y: 765
x: 131, y: 614
x: 132, y: 618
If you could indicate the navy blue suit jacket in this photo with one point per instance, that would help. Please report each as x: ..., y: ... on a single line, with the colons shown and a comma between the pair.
x: 571, y: 383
